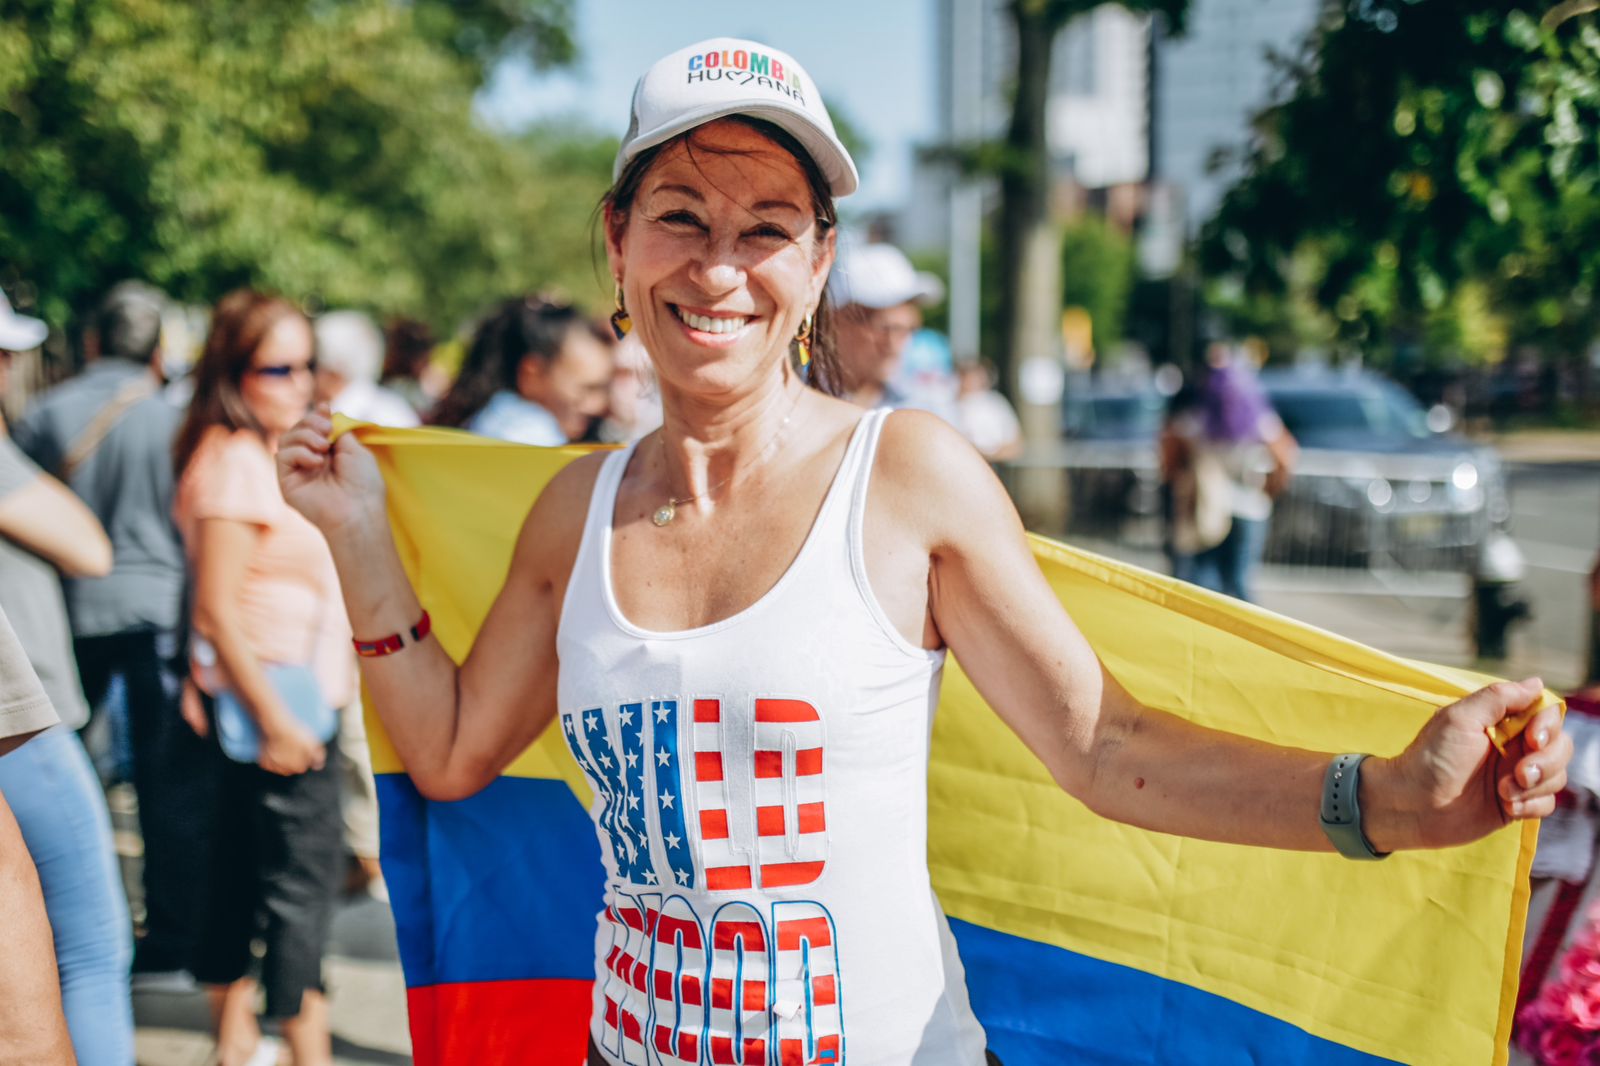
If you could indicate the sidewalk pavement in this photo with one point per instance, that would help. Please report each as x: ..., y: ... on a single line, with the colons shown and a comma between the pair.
x: 1546, y: 445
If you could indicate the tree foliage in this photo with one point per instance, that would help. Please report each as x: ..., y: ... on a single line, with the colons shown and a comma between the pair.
x: 1097, y: 271
x: 1437, y: 164
x: 323, y: 148
x: 1028, y: 243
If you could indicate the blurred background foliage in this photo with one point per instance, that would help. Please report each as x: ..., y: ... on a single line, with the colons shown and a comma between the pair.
x: 323, y: 148
x: 1427, y: 192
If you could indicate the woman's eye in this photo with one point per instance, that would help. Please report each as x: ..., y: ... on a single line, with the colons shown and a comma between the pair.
x: 681, y: 218
x: 769, y: 233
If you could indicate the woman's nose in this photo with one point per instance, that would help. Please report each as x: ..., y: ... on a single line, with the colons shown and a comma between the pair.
x: 721, y: 269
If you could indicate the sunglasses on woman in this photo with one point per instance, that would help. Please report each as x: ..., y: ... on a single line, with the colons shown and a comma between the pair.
x: 283, y: 370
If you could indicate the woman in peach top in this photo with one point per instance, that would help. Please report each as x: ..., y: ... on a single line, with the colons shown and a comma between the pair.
x: 265, y: 593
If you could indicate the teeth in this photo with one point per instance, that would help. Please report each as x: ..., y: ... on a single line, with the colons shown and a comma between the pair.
x: 706, y: 324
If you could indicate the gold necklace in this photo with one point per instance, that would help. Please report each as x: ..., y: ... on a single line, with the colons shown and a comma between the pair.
x: 664, y: 514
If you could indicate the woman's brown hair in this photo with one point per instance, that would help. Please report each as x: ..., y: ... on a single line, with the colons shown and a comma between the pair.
x: 824, y: 374
x: 239, y: 323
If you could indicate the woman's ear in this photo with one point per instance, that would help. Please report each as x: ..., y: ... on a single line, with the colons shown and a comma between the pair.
x: 823, y: 266
x: 616, y: 224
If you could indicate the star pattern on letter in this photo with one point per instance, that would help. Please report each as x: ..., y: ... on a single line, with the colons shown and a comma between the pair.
x: 627, y: 715
x: 633, y: 801
x: 633, y: 759
x: 663, y: 757
x: 605, y: 760
x: 662, y: 712
x: 592, y: 720
x: 666, y: 798
x: 650, y: 876
x: 674, y: 840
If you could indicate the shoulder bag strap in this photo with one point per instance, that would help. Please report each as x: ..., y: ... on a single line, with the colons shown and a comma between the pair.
x: 104, y: 421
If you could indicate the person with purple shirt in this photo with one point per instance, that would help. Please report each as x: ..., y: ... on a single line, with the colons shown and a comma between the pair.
x: 1236, y: 427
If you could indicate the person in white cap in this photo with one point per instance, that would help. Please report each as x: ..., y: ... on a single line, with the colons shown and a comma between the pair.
x: 879, y: 297
x: 19, y: 333
x: 349, y: 362
x: 738, y: 624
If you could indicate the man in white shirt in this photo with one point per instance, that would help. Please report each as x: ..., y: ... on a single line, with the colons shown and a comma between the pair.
x: 349, y: 361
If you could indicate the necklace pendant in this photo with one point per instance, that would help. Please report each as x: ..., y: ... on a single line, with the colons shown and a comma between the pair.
x: 665, y: 514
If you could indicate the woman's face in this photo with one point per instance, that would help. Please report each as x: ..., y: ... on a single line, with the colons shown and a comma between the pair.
x: 277, y: 385
x: 720, y: 258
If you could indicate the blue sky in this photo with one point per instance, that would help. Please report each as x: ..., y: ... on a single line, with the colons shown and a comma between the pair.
x: 873, y: 59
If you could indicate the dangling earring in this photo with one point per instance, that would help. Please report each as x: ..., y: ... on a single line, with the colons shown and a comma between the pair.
x: 802, y: 341
x: 621, y: 323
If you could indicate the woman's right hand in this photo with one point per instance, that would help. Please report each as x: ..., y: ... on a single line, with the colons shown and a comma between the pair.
x: 335, y: 484
x: 289, y: 749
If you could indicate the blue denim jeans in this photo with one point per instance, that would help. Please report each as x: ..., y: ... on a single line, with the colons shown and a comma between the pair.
x: 55, y: 794
x: 1229, y: 568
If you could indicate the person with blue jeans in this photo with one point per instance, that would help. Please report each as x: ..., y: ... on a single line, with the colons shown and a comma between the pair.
x: 51, y: 786
x: 107, y: 434
x: 1235, y: 428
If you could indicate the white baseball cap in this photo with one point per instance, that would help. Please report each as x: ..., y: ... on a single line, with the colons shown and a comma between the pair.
x: 878, y: 276
x: 728, y: 76
x: 19, y: 333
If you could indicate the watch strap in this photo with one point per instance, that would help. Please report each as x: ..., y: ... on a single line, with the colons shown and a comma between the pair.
x: 1341, y: 809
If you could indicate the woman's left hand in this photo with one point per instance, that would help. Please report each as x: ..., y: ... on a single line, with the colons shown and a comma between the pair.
x: 1452, y: 786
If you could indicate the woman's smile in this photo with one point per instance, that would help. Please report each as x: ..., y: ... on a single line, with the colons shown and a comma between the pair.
x: 713, y: 328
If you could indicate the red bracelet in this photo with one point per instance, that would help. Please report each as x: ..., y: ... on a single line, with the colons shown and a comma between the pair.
x: 371, y: 649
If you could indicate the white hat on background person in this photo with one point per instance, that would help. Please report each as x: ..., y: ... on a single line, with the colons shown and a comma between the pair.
x: 19, y: 333
x: 876, y: 276
x: 727, y: 76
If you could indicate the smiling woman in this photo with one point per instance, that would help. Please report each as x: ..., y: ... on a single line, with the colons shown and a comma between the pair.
x: 739, y: 623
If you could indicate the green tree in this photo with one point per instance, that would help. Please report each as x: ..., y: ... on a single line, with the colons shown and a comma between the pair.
x: 1029, y: 245
x: 1097, y: 270
x: 324, y: 148
x: 1438, y: 161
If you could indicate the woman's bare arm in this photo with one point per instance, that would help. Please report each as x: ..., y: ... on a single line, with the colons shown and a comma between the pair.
x: 45, y: 517
x: 454, y: 729
x: 1149, y: 768
x: 222, y: 551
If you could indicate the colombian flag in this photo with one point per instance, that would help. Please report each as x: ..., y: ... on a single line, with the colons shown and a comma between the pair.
x: 1084, y: 941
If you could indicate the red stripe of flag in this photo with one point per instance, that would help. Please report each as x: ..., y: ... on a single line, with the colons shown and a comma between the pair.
x: 727, y: 933
x: 809, y: 816
x: 714, y: 825
x: 724, y: 878
x: 813, y: 929
x: 708, y: 766
x: 778, y: 874
x: 785, y: 711
x: 807, y: 761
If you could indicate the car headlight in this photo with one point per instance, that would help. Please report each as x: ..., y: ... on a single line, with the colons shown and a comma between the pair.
x: 1464, y: 477
x: 1380, y: 494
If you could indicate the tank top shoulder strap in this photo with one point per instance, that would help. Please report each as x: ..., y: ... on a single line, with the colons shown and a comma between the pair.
x: 586, y: 582
x: 836, y: 521
x: 859, y: 467
x: 866, y: 454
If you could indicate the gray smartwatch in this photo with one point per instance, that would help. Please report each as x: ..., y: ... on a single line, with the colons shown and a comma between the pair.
x: 1341, y: 812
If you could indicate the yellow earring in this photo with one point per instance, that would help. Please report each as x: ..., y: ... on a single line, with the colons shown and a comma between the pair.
x: 802, y: 341
x: 621, y: 323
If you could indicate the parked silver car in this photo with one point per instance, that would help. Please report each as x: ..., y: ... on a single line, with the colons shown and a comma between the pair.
x: 1375, y: 486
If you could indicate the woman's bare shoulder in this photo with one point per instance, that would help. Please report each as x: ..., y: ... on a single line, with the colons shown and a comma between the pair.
x: 931, y: 476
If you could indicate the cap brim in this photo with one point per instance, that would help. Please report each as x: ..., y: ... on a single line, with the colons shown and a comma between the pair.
x: 19, y: 333
x: 838, y: 169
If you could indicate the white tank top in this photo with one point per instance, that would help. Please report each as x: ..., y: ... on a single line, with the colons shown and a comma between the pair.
x: 761, y: 801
